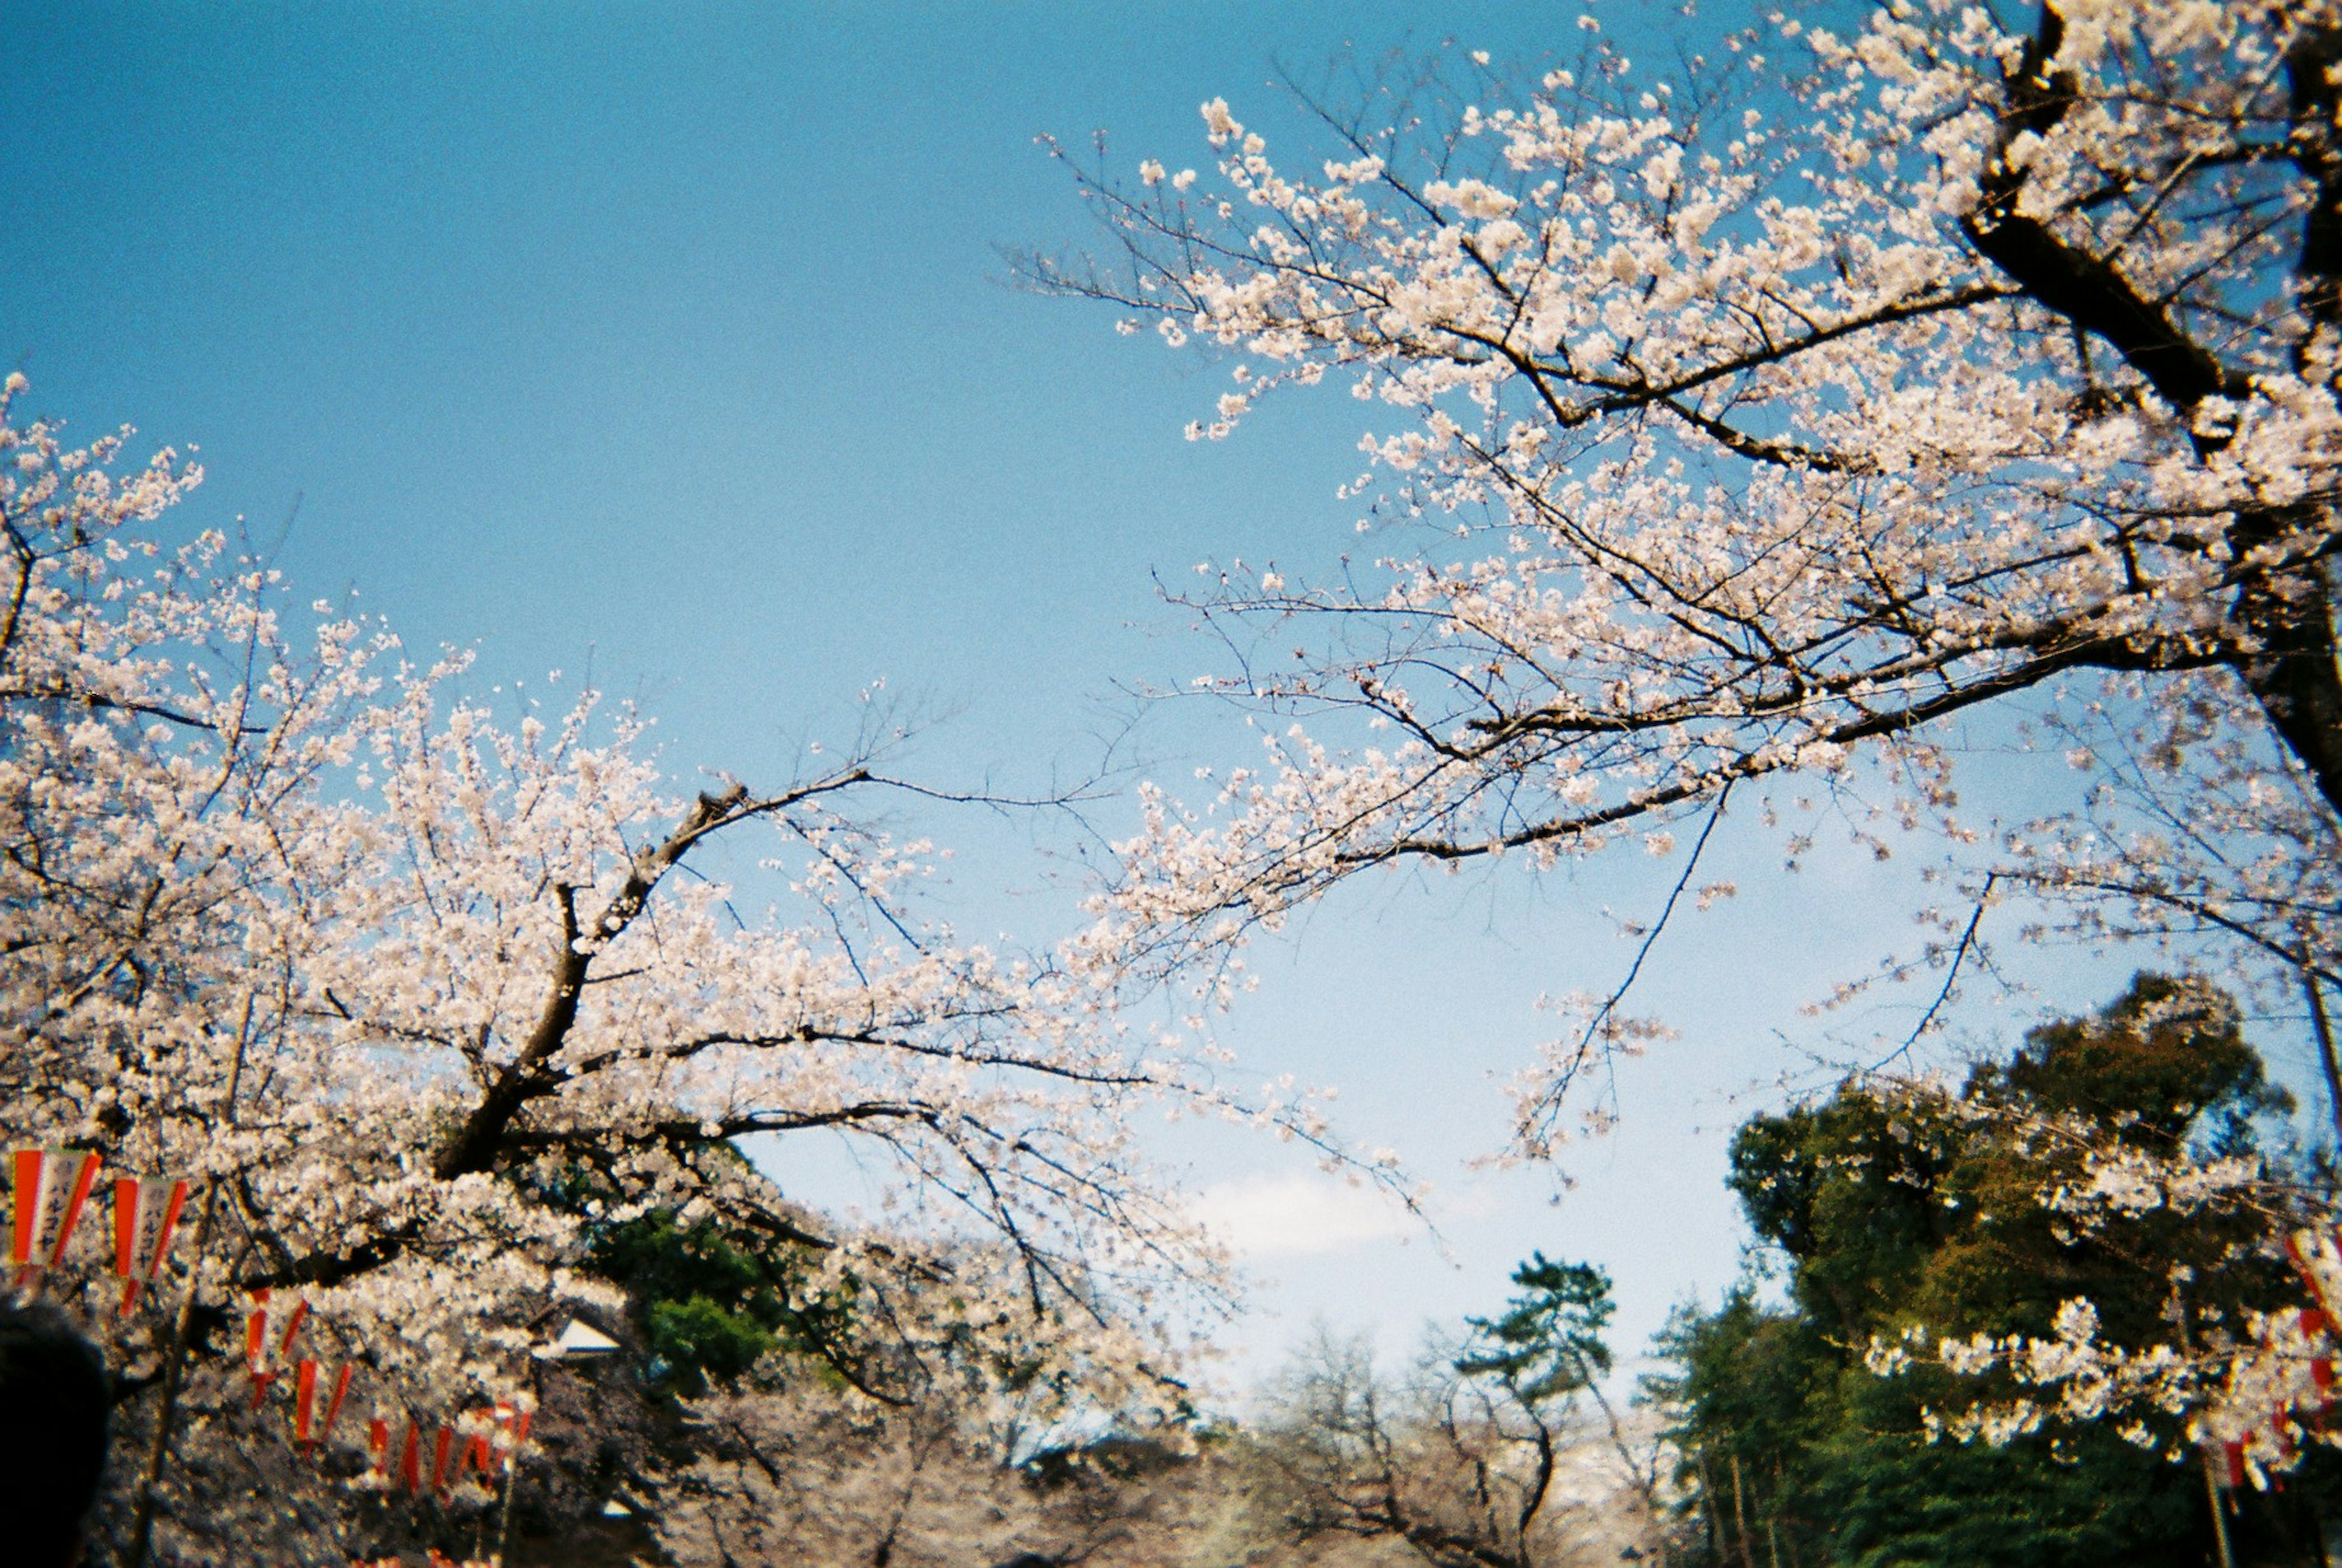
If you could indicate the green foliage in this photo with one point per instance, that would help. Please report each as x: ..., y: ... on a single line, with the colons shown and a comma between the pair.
x: 712, y: 1298
x: 710, y: 1302
x: 2157, y: 1066
x: 699, y: 1341
x: 1889, y: 1209
x: 1548, y: 1344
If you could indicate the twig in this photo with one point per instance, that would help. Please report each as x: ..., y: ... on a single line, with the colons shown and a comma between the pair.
x: 1608, y: 1010
x: 1951, y: 976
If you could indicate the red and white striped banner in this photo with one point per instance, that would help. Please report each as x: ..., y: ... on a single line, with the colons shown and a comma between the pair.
x: 265, y: 1344
x: 489, y: 1436
x: 430, y: 1461
x: 50, y: 1187
x: 308, y: 1377
x: 512, y: 1431
x: 2315, y: 1322
x: 2319, y: 1262
x: 410, y: 1460
x: 145, y: 1214
x: 334, y: 1401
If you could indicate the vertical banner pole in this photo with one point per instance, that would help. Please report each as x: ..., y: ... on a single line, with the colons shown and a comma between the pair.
x: 183, y: 1333
x: 512, y: 1471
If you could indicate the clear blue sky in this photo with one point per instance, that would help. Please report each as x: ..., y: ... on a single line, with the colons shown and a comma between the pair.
x: 670, y: 338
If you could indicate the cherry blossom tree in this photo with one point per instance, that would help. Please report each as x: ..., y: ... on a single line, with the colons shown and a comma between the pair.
x: 414, y: 993
x: 1758, y: 421
x: 1768, y: 411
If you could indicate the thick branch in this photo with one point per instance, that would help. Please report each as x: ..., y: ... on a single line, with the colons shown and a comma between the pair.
x: 2084, y: 289
x: 472, y: 1148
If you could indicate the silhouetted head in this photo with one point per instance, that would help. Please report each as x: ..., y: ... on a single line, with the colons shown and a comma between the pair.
x: 54, y: 1401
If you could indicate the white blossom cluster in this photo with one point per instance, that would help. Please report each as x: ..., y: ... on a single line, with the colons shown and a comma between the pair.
x: 1768, y: 414
x: 2263, y: 1392
x: 2256, y: 1378
x: 412, y: 993
x: 1759, y: 419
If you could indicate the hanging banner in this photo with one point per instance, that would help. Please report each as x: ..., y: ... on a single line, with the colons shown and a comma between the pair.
x: 442, y: 1448
x: 512, y: 1431
x: 264, y: 1343
x: 255, y: 1347
x: 293, y: 1321
x: 145, y: 1214
x: 2314, y: 1323
x: 49, y: 1188
x: 309, y: 1427
x: 2319, y: 1262
x: 333, y: 1400
x: 305, y: 1398
x: 410, y: 1460
x: 378, y: 1446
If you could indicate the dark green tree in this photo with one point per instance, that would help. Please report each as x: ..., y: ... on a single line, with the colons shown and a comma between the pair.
x: 710, y: 1297
x: 1548, y: 1344
x: 1886, y: 1208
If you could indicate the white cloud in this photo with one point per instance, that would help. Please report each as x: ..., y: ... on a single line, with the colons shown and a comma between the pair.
x: 1289, y: 1216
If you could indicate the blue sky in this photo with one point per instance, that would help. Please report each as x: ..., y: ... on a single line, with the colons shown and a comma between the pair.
x: 669, y: 342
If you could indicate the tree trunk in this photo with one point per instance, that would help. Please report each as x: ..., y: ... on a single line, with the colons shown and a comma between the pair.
x: 1707, y: 1506
x: 1740, y: 1515
x: 2219, y: 1514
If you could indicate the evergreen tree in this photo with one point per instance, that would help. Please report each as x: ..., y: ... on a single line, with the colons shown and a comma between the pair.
x: 1889, y: 1208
